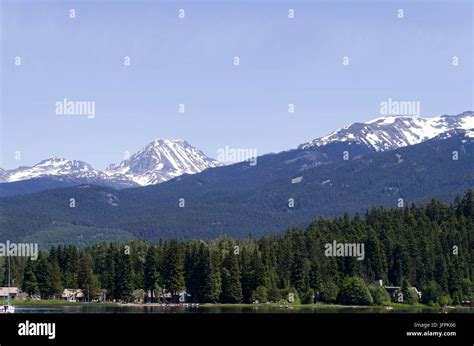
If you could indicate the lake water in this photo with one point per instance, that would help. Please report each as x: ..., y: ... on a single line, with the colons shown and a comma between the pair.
x: 111, y: 308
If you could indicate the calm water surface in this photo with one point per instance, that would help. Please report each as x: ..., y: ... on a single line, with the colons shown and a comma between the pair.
x: 109, y: 308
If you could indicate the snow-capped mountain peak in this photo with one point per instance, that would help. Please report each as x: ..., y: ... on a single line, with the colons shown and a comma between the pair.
x: 391, y: 132
x: 61, y: 169
x: 54, y: 166
x: 162, y: 160
x: 157, y: 162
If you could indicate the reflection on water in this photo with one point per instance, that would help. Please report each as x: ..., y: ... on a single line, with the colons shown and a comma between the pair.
x: 110, y: 308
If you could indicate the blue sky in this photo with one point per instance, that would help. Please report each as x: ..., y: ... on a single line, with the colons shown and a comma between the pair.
x: 190, y: 61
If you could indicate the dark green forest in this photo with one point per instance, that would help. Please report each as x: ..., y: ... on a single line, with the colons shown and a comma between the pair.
x: 428, y: 247
x: 239, y: 199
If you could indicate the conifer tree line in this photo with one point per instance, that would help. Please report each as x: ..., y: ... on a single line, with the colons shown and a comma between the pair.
x: 428, y: 247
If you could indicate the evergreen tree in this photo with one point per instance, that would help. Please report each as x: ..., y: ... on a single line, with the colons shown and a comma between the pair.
x: 203, y: 276
x: 379, y: 295
x: 30, y: 284
x: 308, y: 297
x: 43, y: 270
x: 55, y: 282
x: 231, y: 287
x: 409, y: 294
x: 299, y: 263
x: 123, y: 277
x: 173, y: 268
x: 87, y: 280
x: 48, y: 276
x: 107, y: 277
x: 68, y: 262
x: 354, y: 291
x: 216, y: 275
x: 432, y: 293
x: 150, y: 272
x: 260, y: 294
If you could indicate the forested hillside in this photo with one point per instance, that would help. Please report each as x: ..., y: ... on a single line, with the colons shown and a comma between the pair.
x: 262, y: 200
x: 430, y: 247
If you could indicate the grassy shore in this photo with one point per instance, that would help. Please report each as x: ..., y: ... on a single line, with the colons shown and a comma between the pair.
x: 43, y: 302
x: 319, y: 306
x: 394, y: 306
x: 54, y: 302
x: 408, y: 306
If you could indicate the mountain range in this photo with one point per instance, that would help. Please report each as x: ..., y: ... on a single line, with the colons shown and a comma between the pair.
x: 157, y: 162
x: 162, y: 160
x: 331, y: 176
x: 392, y: 132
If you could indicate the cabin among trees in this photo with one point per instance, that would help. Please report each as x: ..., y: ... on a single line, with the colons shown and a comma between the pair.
x: 9, y: 292
x: 72, y: 295
x: 79, y: 295
x: 396, y: 293
x: 162, y: 297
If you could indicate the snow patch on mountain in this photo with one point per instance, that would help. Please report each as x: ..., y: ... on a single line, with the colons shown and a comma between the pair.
x: 392, y: 132
x: 159, y: 161
x: 67, y: 170
x: 162, y: 160
x: 52, y: 166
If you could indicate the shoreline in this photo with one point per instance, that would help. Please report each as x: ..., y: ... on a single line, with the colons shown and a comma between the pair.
x: 276, y: 306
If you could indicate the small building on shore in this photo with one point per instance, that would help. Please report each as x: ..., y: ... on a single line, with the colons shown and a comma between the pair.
x: 394, y: 290
x: 178, y: 298
x: 72, y: 295
x: 9, y: 292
